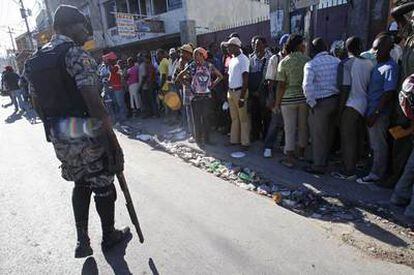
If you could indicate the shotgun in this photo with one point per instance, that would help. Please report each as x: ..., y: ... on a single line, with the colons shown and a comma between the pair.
x: 130, y: 205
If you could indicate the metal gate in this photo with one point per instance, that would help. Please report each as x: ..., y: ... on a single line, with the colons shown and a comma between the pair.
x: 332, y: 23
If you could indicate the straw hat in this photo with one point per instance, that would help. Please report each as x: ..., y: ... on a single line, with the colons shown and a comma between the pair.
x: 187, y: 48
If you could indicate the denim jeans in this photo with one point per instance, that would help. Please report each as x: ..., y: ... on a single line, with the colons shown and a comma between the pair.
x: 18, y: 100
x: 187, y: 119
x: 275, y: 127
x: 404, y: 188
x: 378, y: 140
x: 121, y: 110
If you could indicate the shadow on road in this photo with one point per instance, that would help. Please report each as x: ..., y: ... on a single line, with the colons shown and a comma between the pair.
x: 153, y: 267
x: 90, y: 267
x: 115, y: 257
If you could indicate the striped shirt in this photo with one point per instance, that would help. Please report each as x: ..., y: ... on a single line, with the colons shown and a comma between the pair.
x: 290, y: 71
x: 320, y: 78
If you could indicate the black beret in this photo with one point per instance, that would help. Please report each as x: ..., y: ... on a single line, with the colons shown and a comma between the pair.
x: 68, y: 15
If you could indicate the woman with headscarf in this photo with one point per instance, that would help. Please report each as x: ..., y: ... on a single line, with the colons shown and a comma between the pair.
x: 201, y: 73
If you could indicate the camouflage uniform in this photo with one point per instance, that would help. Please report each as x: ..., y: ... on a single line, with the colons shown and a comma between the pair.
x: 83, y: 159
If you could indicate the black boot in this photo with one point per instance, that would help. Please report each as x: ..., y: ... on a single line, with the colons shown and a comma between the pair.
x: 114, y: 237
x: 83, y: 247
x: 81, y: 198
x: 105, y: 205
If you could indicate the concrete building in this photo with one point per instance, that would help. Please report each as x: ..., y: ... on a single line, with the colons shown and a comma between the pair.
x: 151, y: 24
x: 171, y: 22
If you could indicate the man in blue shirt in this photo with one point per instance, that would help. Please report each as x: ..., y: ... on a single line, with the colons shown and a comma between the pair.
x: 381, y: 91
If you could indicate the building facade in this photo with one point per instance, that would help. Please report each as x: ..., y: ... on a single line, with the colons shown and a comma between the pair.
x: 135, y: 24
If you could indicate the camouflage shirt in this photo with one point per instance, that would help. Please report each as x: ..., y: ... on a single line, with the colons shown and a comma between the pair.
x: 79, y: 64
x: 82, y: 158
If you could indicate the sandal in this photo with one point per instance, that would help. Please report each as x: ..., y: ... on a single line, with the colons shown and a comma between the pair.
x: 287, y: 164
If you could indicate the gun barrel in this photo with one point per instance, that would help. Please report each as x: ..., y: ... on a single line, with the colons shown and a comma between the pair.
x: 130, y: 206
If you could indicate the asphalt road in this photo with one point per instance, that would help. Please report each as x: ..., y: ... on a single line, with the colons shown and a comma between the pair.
x: 194, y: 223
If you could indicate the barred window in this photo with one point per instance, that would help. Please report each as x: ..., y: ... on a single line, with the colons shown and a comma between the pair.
x: 175, y: 4
x: 331, y: 3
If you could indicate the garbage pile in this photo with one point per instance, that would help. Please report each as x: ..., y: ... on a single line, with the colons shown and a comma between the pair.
x: 304, y: 201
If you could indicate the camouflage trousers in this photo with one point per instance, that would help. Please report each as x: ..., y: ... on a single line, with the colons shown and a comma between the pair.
x: 83, y: 160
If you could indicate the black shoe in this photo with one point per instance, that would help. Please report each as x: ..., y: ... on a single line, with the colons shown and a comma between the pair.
x: 314, y: 171
x: 110, y: 240
x: 83, y: 249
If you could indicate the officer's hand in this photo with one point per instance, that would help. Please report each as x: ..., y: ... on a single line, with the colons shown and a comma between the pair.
x: 114, y: 154
x: 117, y: 165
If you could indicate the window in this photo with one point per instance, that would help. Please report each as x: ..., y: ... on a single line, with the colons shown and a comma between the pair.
x: 143, y: 7
x: 160, y: 6
x: 175, y: 4
x: 331, y: 3
x: 133, y: 7
x: 110, y: 9
x: 121, y: 6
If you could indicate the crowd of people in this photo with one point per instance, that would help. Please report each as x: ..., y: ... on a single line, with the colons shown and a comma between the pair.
x: 307, y: 97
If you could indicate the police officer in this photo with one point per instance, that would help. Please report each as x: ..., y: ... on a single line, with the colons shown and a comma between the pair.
x: 64, y: 88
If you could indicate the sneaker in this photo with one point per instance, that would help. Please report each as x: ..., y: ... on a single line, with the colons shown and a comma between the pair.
x: 267, y: 153
x: 343, y: 176
x: 370, y: 179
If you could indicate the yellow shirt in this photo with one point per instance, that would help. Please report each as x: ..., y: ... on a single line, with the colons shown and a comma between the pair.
x: 163, y: 69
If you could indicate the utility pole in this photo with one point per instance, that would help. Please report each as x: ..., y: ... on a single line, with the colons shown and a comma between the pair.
x: 286, y: 16
x: 48, y: 12
x: 24, y: 15
x: 11, y: 39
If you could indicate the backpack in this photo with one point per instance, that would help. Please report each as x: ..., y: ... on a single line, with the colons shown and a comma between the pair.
x: 406, y: 97
x: 55, y: 90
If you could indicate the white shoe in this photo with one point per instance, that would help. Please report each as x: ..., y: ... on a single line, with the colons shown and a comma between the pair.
x: 267, y: 153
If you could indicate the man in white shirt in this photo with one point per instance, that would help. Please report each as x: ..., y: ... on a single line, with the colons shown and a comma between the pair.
x: 354, y: 75
x: 238, y: 93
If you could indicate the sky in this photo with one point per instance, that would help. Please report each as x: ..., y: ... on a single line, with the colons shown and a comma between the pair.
x: 10, y: 16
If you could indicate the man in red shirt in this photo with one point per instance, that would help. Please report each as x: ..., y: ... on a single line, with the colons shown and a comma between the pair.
x: 115, y: 80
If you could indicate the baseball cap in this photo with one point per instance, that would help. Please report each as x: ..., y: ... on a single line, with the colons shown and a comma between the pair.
x: 233, y: 34
x: 67, y: 15
x: 233, y: 41
x: 172, y: 51
x: 283, y: 40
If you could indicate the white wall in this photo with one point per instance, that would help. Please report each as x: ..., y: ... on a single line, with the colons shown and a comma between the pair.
x: 219, y: 13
